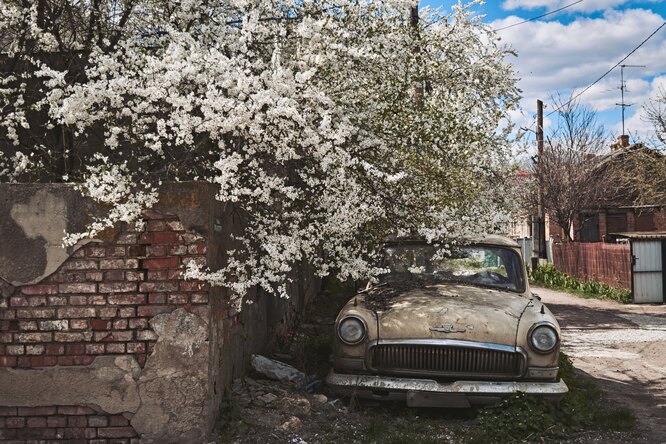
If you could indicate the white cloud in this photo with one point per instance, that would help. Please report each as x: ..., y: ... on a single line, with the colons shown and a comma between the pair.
x: 556, y: 57
x: 585, y: 6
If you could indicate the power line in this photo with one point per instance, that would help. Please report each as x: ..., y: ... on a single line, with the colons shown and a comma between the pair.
x: 607, y: 72
x: 539, y: 16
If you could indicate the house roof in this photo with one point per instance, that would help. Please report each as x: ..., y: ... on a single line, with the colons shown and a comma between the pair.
x: 643, y: 235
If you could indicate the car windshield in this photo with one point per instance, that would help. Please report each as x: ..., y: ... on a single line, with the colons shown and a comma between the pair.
x: 479, y: 265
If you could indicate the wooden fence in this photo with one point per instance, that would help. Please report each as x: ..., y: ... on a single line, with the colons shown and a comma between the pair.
x: 608, y: 263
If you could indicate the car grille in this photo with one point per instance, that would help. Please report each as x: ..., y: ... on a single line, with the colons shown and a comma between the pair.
x: 445, y: 360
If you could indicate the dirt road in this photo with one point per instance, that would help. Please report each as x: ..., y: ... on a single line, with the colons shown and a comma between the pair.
x: 623, y: 347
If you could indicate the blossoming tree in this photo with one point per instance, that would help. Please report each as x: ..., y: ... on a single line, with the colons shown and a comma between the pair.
x: 326, y: 124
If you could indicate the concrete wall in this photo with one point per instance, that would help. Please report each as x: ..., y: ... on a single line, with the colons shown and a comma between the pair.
x: 107, y: 340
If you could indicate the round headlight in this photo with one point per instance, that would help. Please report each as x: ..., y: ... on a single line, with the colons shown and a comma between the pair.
x: 351, y: 330
x: 543, y: 338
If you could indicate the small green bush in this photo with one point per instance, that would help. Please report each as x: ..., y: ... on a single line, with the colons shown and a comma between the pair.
x: 548, y: 276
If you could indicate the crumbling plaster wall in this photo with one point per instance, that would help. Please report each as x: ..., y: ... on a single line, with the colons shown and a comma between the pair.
x: 193, y: 347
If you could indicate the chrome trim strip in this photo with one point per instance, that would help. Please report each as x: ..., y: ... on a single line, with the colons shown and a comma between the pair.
x: 445, y: 342
x: 499, y: 388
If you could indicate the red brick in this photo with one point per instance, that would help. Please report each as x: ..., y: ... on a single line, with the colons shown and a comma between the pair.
x: 36, y: 411
x: 24, y: 362
x: 127, y: 312
x: 157, y: 298
x: 72, y: 337
x: 56, y: 421
x: 94, y: 276
x: 27, y: 325
x: 8, y: 361
x: 78, y: 300
x: 75, y: 277
x: 118, y: 421
x: 174, y: 225
x: 136, y: 347
x: 156, y: 250
x: 15, y: 423
x: 6, y: 338
x: 199, y: 298
x: 78, y: 288
x: 9, y: 325
x: 141, y: 359
x: 136, y: 251
x: 134, y: 276
x: 37, y: 301
x: 7, y: 411
x: 7, y: 314
x: 169, y: 262
x: 138, y: 323
x: 177, y: 250
x: 55, y: 349
x: 152, y: 310
x: 157, y: 275
x: 59, y: 325
x: 78, y: 324
x: 157, y: 237
x: 127, y: 299
x: 76, y: 312
x: 118, y: 264
x: 76, y: 433
x: 115, y: 336
x: 178, y: 298
x: 77, y: 421
x: 189, y: 238
x: 36, y: 422
x: 120, y: 324
x: 15, y: 350
x: 35, y: 435
x: 116, y: 432
x: 95, y: 251
x: 94, y: 349
x: 155, y: 225
x: 146, y: 287
x: 100, y: 324
x: 35, y: 313
x: 34, y: 350
x: 57, y: 300
x: 97, y: 300
x: 80, y: 265
x: 114, y: 275
x: 32, y: 337
x: 75, y: 349
x: 79, y: 253
x: 43, y: 361
x: 118, y: 287
x: 108, y: 312
x: 115, y: 348
x: 75, y: 360
x: 39, y: 289
x: 98, y: 421
x: 115, y: 251
x: 18, y: 301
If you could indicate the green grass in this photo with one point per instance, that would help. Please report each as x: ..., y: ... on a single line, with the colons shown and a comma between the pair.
x: 548, y: 276
x: 527, y: 418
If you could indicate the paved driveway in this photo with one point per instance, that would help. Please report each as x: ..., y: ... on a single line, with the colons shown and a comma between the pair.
x: 623, y: 347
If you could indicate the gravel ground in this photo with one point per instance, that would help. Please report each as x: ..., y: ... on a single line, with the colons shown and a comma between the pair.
x: 623, y: 347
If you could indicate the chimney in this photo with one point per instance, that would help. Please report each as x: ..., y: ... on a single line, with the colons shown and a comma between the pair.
x: 622, y: 142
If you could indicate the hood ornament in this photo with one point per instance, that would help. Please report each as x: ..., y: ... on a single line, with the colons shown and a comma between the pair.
x: 447, y: 328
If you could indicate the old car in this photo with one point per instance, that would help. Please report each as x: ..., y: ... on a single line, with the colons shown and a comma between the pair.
x: 447, y: 327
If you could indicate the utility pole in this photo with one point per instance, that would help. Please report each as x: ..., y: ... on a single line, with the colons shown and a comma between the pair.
x: 622, y: 88
x: 414, y: 22
x: 540, y: 238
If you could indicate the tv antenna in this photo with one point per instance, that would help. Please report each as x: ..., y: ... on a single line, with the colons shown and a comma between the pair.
x: 623, y: 87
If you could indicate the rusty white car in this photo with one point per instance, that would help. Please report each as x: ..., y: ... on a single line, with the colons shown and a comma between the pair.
x: 447, y: 329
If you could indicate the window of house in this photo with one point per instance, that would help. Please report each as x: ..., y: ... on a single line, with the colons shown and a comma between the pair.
x: 589, y: 230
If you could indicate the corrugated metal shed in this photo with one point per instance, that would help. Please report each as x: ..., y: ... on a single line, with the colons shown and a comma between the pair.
x: 648, y: 274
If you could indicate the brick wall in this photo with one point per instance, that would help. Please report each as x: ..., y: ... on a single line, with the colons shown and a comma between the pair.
x: 608, y: 263
x: 101, y: 300
x: 64, y: 423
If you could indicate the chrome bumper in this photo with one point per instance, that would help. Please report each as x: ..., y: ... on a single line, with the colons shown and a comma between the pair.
x: 430, y: 393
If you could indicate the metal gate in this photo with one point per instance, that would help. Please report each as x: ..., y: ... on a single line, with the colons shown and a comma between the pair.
x: 648, y: 259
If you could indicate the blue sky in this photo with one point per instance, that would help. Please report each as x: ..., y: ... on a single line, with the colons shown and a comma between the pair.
x: 569, y: 50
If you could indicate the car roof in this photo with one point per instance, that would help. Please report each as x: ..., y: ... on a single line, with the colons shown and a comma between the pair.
x: 487, y: 239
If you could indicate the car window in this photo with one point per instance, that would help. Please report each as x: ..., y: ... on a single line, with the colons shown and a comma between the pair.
x: 486, y: 266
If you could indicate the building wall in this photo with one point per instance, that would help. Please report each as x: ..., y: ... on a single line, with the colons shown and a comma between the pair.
x: 106, y: 340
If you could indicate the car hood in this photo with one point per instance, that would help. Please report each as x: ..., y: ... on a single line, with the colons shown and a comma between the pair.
x: 450, y: 311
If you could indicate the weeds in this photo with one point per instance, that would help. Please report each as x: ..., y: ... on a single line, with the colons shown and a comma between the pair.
x: 548, y: 276
x: 527, y: 418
